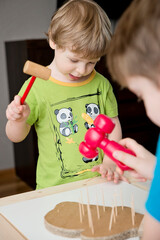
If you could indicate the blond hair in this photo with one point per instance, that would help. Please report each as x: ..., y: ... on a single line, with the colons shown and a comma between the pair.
x: 135, y: 47
x: 82, y: 26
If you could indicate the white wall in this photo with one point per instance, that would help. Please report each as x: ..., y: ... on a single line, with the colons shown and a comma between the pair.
x: 19, y: 20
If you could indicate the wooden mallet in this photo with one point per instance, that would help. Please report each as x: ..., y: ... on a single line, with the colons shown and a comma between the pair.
x: 35, y: 70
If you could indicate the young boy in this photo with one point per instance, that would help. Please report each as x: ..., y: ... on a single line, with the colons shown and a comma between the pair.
x: 79, y: 34
x: 134, y: 62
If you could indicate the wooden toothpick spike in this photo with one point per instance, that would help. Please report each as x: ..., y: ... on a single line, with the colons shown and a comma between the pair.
x: 82, y: 204
x: 111, y: 218
x: 115, y: 203
x: 90, y: 220
x: 98, y: 214
x: 132, y: 216
x: 132, y: 211
x: 133, y: 204
x: 87, y: 195
x: 122, y: 203
x: 80, y: 212
x: 114, y: 215
x: 103, y: 200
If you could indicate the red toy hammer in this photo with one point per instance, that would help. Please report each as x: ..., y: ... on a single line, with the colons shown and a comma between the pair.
x: 96, y: 137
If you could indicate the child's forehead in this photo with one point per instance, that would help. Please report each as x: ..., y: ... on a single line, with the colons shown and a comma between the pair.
x: 79, y: 56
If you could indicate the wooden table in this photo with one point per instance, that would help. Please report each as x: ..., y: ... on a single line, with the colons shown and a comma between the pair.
x: 9, y: 231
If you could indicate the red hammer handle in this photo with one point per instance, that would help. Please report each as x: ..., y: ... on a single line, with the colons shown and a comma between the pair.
x: 27, y: 89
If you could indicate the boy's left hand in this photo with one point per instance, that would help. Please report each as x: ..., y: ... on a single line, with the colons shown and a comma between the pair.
x: 108, y: 169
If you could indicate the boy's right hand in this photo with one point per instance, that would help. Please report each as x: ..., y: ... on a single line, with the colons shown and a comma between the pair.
x: 17, y: 112
x: 142, y: 164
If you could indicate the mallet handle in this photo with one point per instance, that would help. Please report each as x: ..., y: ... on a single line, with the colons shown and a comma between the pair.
x: 27, y: 89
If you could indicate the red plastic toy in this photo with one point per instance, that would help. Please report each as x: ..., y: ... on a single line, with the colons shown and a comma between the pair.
x: 96, y: 138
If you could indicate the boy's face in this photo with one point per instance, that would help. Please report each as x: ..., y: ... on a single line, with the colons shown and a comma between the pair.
x: 149, y: 92
x: 71, y: 66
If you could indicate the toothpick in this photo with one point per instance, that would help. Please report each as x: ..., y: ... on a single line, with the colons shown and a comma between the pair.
x: 133, y: 204
x: 90, y: 220
x: 114, y: 217
x: 115, y: 201
x: 132, y: 211
x: 87, y: 195
x: 82, y: 204
x: 111, y: 218
x: 121, y: 199
x: 80, y: 212
x: 103, y: 200
x: 132, y: 216
x: 98, y: 214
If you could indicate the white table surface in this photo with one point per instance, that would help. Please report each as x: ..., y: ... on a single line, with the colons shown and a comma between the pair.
x: 28, y: 215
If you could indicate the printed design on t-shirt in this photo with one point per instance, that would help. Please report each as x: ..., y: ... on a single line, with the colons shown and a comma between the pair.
x: 58, y: 145
x: 93, y: 111
x: 66, y: 121
x: 67, y: 128
x: 69, y: 140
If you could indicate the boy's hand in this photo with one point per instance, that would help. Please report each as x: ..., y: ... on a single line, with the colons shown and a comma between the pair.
x: 17, y: 112
x: 16, y: 128
x: 142, y: 165
x: 108, y: 169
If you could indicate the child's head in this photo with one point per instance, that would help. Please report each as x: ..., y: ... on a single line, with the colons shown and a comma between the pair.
x: 83, y: 27
x: 135, y: 47
x: 134, y: 54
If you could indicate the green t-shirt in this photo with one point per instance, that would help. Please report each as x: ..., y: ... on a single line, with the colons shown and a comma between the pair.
x: 56, y: 112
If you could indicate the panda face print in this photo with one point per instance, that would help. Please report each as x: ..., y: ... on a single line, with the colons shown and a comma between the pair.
x: 66, y: 123
x: 92, y: 110
x: 64, y: 115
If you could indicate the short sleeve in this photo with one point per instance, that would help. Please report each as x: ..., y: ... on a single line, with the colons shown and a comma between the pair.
x: 153, y: 201
x: 109, y: 102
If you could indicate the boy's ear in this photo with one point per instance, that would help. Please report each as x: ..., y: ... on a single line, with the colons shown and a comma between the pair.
x: 52, y: 44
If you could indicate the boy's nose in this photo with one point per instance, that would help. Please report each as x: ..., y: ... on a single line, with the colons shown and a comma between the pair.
x: 81, y: 69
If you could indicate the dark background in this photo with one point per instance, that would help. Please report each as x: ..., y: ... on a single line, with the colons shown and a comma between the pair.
x: 113, y: 8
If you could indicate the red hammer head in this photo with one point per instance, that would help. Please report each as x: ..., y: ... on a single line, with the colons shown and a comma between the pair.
x: 94, y: 136
x: 104, y: 123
